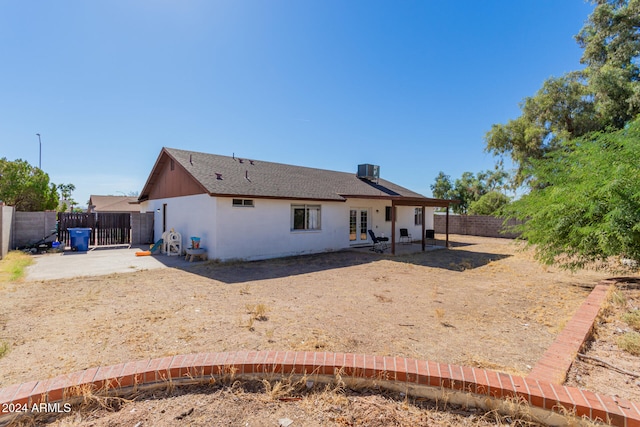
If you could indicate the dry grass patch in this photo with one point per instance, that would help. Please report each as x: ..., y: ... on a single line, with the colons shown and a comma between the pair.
x: 288, y: 401
x: 632, y: 318
x: 630, y: 342
x: 258, y: 311
x: 4, y: 348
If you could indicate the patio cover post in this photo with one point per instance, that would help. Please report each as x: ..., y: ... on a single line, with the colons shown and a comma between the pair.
x: 424, y: 240
x: 393, y: 227
x: 447, y: 229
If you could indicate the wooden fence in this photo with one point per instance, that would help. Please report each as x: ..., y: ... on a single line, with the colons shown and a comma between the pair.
x: 106, y: 228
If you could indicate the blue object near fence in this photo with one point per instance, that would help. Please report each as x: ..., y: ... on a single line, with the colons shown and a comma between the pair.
x: 79, y: 239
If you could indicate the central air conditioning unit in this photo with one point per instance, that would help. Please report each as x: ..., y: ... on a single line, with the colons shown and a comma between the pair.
x: 370, y: 172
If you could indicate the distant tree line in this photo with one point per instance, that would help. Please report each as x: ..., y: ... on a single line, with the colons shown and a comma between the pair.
x: 477, y: 194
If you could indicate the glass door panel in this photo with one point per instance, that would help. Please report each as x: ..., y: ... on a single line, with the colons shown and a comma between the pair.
x: 353, y: 226
x: 358, y: 225
x: 364, y: 224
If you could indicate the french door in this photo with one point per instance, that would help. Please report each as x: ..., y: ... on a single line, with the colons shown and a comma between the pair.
x: 358, y: 225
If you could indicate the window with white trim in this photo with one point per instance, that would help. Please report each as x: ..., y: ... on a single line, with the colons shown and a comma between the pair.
x: 305, y: 217
x: 387, y: 213
x: 242, y: 202
x: 417, y: 216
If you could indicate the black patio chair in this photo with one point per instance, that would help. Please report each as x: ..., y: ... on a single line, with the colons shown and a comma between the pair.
x: 380, y: 244
x: 405, y: 237
x: 430, y: 235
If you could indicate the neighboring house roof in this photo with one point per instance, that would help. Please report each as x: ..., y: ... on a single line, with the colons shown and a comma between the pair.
x: 112, y: 204
x: 233, y: 176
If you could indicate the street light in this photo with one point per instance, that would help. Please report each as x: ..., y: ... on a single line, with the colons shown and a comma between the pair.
x: 40, y: 156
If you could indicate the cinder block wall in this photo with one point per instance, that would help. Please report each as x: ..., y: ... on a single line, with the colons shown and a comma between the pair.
x: 29, y: 227
x: 6, y: 219
x: 474, y: 225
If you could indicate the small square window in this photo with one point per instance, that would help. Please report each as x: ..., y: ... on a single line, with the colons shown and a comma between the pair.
x: 242, y: 202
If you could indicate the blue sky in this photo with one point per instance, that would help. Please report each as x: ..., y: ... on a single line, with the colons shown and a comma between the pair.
x: 412, y: 86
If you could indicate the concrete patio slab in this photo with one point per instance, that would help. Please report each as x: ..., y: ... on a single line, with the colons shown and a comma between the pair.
x: 97, y: 262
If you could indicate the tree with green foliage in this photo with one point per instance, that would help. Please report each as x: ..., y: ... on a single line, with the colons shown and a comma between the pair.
x: 561, y: 109
x: 585, y: 206
x: 442, y: 187
x: 490, y: 203
x: 65, y: 195
x: 466, y: 189
x: 611, y: 43
x: 469, y: 188
x: 605, y: 95
x: 26, y: 187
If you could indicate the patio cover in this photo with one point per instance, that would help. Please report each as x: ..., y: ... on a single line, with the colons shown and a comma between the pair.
x: 421, y: 202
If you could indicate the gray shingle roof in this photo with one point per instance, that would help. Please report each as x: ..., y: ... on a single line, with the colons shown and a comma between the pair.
x: 113, y: 203
x: 255, y: 178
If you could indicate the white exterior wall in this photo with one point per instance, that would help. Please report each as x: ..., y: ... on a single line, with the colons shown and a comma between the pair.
x: 405, y: 219
x: 189, y: 216
x: 264, y: 230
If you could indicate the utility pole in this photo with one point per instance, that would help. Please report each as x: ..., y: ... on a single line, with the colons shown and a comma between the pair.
x: 40, y: 155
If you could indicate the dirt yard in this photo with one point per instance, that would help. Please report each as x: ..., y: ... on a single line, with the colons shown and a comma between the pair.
x: 483, y: 303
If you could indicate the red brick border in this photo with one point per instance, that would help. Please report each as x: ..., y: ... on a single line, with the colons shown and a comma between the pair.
x: 556, y: 361
x: 461, y: 384
x: 415, y: 377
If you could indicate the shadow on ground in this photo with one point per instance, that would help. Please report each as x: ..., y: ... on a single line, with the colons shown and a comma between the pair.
x: 239, y: 272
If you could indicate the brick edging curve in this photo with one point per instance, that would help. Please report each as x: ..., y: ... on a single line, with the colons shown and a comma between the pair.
x: 411, y: 374
x: 471, y: 386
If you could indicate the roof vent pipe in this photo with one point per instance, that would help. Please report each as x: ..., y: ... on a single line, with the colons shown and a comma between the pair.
x: 218, y: 176
x: 246, y: 175
x: 190, y: 160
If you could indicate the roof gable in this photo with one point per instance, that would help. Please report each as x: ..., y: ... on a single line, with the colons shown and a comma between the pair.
x: 233, y: 176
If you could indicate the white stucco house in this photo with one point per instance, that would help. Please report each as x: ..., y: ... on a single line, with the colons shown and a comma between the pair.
x: 250, y: 209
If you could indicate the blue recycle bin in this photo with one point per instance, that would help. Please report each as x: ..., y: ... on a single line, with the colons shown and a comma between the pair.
x: 79, y: 239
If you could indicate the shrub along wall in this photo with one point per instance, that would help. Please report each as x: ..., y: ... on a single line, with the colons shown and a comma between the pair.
x: 474, y: 225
